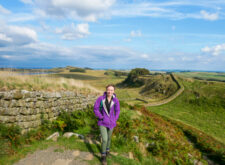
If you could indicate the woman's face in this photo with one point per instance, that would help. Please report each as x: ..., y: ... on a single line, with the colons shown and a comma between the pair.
x: 110, y: 91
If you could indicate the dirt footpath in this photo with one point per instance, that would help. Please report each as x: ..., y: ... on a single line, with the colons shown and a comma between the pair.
x: 56, y: 156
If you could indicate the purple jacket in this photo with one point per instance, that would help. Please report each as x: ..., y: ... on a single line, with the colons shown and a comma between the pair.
x: 104, y: 118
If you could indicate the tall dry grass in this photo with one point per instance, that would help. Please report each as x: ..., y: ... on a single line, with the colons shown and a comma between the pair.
x: 42, y: 82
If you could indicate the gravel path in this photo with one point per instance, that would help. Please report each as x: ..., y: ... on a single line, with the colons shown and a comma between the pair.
x: 56, y: 156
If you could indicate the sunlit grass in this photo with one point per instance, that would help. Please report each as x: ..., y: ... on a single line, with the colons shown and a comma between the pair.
x: 45, y: 82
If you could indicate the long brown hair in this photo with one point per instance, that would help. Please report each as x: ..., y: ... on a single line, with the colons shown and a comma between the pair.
x: 110, y: 85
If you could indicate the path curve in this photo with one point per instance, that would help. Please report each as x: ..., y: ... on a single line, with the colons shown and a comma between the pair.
x: 175, y: 95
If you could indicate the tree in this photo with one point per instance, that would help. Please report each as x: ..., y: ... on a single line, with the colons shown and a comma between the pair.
x: 132, y: 79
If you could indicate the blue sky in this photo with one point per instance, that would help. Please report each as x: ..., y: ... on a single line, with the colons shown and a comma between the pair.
x: 113, y: 34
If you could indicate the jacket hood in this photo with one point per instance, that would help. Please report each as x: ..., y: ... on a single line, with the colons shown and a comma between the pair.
x: 105, y: 94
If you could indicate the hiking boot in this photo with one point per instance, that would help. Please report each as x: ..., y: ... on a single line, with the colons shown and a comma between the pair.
x: 107, y: 153
x: 104, y: 162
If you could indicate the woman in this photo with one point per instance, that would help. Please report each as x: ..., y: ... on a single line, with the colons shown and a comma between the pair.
x: 107, y: 110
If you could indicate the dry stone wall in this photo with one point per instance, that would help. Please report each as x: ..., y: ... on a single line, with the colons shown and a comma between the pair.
x: 27, y: 109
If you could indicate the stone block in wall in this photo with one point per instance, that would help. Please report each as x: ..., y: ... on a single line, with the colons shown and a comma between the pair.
x: 44, y: 116
x: 31, y: 99
x: 21, y: 103
x: 77, y: 106
x: 1, y: 95
x: 56, y: 114
x: 1, y: 111
x: 49, y: 104
x: 28, y: 118
x: 30, y: 105
x: 5, y: 103
x: 36, y: 111
x: 35, y: 124
x: 57, y: 95
x: 51, y: 94
x: 19, y: 118
x: 11, y: 119
x: 38, y: 94
x: 3, y: 119
x: 25, y: 111
x: 38, y: 116
x: 7, y: 119
x: 8, y: 96
x: 39, y: 104
x: 13, y: 103
x: 17, y: 95
x: 50, y: 115
x: 24, y: 124
x: 42, y: 110
x: 29, y: 95
x: 26, y: 94
x: 46, y: 104
x: 53, y: 109
x: 40, y: 98
x: 11, y: 111
x: 48, y: 110
x: 1, y: 102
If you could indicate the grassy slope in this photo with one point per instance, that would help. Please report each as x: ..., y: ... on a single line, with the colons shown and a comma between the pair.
x: 44, y: 82
x: 201, y: 105
x: 204, y: 75
x: 167, y: 144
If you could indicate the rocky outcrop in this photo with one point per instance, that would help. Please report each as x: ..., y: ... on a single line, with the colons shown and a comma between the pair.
x: 28, y: 109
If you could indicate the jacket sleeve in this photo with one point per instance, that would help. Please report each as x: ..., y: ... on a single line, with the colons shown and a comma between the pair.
x: 117, y: 110
x: 97, y: 112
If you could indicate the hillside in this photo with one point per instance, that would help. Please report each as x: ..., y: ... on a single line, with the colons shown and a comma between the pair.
x: 186, y: 130
x: 201, y: 105
x: 159, y: 86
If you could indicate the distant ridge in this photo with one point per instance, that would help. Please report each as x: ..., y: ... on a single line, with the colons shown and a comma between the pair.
x: 162, y: 70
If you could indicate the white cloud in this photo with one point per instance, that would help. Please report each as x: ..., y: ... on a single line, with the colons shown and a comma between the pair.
x: 89, y: 10
x: 215, y: 51
x: 74, y: 32
x: 171, y: 10
x: 186, y: 58
x: 206, y: 49
x: 16, y: 35
x: 136, y: 33
x: 4, y: 10
x: 98, y: 56
x: 21, y: 17
x: 3, y: 37
x: 209, y: 16
x: 145, y: 56
x: 171, y: 59
x: 6, y: 56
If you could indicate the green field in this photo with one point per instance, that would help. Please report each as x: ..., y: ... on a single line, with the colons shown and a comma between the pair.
x: 201, y: 105
x: 210, y: 76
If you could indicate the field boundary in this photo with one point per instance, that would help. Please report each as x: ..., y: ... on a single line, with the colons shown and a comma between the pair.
x: 175, y: 95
